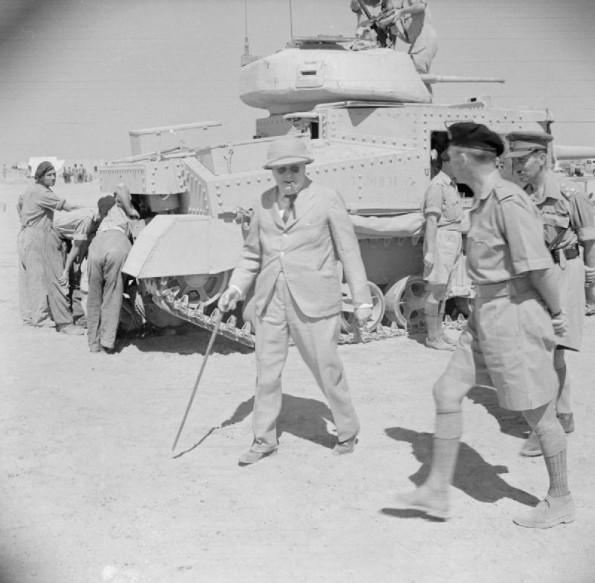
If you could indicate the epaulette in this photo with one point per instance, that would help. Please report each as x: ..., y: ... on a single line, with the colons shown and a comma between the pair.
x: 568, y: 190
x: 504, y: 192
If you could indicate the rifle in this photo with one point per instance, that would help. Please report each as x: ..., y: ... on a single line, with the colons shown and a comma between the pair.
x: 381, y: 33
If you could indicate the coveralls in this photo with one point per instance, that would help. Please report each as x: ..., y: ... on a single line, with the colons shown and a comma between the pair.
x: 41, y: 257
x: 107, y: 254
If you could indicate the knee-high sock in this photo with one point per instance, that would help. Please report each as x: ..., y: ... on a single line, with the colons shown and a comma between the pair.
x: 556, y: 468
x: 449, y: 428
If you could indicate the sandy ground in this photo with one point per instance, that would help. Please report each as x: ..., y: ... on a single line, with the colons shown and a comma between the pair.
x: 91, y: 491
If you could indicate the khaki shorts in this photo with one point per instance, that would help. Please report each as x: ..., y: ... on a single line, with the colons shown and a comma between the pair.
x: 508, y: 344
x: 448, y: 250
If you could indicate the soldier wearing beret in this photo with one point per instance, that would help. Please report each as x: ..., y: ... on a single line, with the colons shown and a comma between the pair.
x: 568, y: 222
x: 510, y: 336
x: 41, y: 255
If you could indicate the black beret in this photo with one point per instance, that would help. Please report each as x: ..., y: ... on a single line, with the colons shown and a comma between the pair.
x: 523, y: 143
x: 105, y: 203
x: 475, y: 136
x: 43, y: 169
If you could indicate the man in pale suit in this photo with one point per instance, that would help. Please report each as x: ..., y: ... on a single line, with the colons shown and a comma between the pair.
x: 298, y: 233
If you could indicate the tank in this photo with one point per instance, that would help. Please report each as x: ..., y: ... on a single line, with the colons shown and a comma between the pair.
x: 371, y: 123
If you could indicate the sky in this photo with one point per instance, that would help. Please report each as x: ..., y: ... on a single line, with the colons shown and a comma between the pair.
x: 77, y: 75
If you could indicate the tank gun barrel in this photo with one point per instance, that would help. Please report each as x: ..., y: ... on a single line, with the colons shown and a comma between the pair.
x: 430, y: 79
x: 573, y: 152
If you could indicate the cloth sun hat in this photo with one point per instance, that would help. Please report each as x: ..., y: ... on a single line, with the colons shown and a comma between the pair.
x: 43, y: 169
x: 285, y: 152
x: 523, y: 143
x: 476, y: 136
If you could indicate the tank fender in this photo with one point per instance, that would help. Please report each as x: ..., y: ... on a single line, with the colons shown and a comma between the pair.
x: 173, y: 245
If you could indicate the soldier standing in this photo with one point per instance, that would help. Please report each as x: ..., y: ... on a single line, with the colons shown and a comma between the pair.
x: 443, y: 211
x: 567, y: 221
x: 510, y: 335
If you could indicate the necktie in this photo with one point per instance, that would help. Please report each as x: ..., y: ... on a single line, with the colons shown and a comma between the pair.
x: 290, y: 209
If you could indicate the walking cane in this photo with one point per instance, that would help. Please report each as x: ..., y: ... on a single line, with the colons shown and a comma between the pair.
x: 218, y: 317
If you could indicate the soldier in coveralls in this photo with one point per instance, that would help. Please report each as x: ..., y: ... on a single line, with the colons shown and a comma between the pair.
x: 510, y: 335
x: 567, y: 221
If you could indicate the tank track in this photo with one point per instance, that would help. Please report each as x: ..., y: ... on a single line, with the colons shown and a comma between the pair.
x: 174, y: 302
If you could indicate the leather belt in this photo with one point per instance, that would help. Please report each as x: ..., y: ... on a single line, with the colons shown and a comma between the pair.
x: 509, y: 288
x: 568, y: 253
x: 450, y: 227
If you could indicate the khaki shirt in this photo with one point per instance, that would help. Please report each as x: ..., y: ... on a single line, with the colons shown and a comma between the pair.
x: 409, y: 27
x: 505, y: 238
x: 564, y: 207
x: 115, y: 220
x: 36, y: 206
x: 443, y: 199
x: 74, y: 225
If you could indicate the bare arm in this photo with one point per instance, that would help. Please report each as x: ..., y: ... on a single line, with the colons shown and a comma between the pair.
x: 589, y: 258
x: 74, y: 251
x: 430, y: 239
x: 545, y: 282
x: 70, y: 207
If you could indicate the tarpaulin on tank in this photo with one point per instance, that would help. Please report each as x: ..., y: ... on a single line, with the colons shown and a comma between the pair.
x: 173, y: 245
x: 407, y: 225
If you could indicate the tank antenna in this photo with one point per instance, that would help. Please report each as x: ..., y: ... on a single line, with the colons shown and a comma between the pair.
x: 290, y: 21
x: 246, y: 57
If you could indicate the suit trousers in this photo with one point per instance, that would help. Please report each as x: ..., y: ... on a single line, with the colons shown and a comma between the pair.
x: 107, y: 254
x: 316, y: 339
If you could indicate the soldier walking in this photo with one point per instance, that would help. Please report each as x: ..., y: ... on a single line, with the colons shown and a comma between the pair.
x: 510, y: 336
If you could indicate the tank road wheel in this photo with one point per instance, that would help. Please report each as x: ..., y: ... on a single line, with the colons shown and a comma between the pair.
x: 204, y: 288
x: 378, y: 308
x: 405, y: 302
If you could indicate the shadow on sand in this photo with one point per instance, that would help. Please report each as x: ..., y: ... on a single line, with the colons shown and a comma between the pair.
x: 308, y: 419
x: 473, y: 475
x: 511, y: 422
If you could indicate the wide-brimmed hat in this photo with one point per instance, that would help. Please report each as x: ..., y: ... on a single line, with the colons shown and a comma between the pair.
x: 522, y: 144
x: 287, y: 151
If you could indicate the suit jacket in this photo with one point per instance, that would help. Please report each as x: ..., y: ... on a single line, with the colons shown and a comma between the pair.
x: 306, y: 249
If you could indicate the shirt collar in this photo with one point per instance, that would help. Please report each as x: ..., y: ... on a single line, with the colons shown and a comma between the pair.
x: 551, y: 189
x: 487, y: 189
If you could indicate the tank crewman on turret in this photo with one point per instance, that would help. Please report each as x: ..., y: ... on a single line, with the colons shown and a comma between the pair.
x: 568, y: 222
x: 408, y: 20
x: 41, y: 255
x: 443, y: 212
x: 509, y: 339
x: 298, y: 233
x: 366, y: 37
